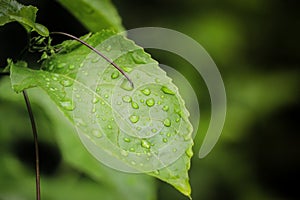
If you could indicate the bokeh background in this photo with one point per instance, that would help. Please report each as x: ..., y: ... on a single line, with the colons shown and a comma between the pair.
x: 255, y: 44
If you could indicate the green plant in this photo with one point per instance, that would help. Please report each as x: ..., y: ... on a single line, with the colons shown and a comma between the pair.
x: 110, y: 110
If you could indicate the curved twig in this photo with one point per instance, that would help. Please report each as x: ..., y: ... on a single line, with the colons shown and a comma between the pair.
x: 98, y: 52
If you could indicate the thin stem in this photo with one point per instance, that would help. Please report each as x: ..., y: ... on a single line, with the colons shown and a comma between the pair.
x: 36, y: 147
x: 98, y: 52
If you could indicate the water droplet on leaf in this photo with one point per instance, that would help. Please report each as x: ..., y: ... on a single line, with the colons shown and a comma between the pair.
x: 127, y: 139
x: 132, y: 149
x: 71, y: 67
x: 167, y: 90
x: 124, y: 152
x: 156, y: 172
x: 66, y: 83
x: 108, y: 48
x: 189, y: 152
x: 61, y: 65
x: 134, y: 105
x: 126, y: 69
x: 134, y: 118
x: 95, y: 100
x: 127, y: 99
x: 145, y: 144
x: 166, y: 108
x: 167, y: 122
x: 115, y: 75
x: 96, y: 133
x: 150, y: 102
x: 126, y: 85
x: 133, y: 162
x: 138, y: 59
x: 68, y: 105
x: 146, y: 91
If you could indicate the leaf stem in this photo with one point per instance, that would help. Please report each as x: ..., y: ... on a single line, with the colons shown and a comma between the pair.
x: 98, y: 52
x: 36, y: 147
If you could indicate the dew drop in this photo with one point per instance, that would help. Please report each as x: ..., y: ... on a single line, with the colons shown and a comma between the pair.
x: 166, y: 108
x: 66, y: 83
x: 134, y: 105
x: 156, y: 172
x: 168, y: 134
x: 127, y: 99
x: 138, y: 58
x: 71, y: 67
x: 115, y: 75
x: 95, y: 100
x: 54, y: 78
x: 68, y: 105
x: 109, y: 127
x: 154, y: 130
x: 167, y: 122
x: 146, y: 91
x: 52, y: 89
x: 61, y: 65
x: 177, y: 119
x: 189, y: 152
x: 134, y: 118
x: 165, y: 140
x: 127, y: 69
x: 142, y: 100
x: 133, y: 162
x: 166, y: 90
x: 174, y: 150
x: 106, y: 96
x: 127, y: 139
x: 51, y: 67
x: 187, y: 138
x: 124, y: 152
x: 145, y: 144
x: 126, y: 85
x: 150, y: 102
x: 96, y: 133
x: 131, y: 149
x: 108, y: 48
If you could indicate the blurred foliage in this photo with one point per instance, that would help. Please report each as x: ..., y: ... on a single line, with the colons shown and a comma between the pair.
x: 254, y: 43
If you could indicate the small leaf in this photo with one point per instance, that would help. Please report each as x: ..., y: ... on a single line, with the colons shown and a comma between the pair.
x: 141, y: 129
x: 95, y: 15
x: 11, y: 10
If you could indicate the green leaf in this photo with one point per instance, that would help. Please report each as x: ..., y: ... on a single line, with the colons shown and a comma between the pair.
x: 95, y: 15
x: 141, y: 129
x: 11, y: 10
